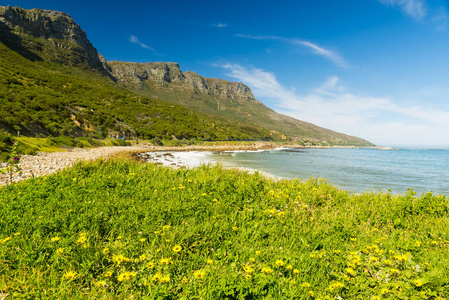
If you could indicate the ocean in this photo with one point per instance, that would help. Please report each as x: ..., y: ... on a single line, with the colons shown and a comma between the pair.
x: 354, y: 170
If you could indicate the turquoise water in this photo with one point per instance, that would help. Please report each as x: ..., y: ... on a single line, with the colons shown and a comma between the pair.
x: 355, y: 170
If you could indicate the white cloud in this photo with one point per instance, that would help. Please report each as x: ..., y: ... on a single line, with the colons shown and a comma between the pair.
x: 220, y: 25
x: 133, y: 39
x: 377, y: 119
x: 417, y: 9
x: 316, y: 49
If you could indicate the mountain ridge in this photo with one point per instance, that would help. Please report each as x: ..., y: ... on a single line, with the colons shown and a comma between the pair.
x: 52, y: 36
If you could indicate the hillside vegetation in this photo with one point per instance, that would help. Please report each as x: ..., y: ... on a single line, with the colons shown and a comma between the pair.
x: 43, y: 98
x: 54, y: 82
x: 121, y: 230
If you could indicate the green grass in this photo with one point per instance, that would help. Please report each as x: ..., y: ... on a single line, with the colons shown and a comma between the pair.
x: 118, y: 226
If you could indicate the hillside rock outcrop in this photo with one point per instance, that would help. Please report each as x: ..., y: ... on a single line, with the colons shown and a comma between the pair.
x: 51, y: 31
x: 161, y: 74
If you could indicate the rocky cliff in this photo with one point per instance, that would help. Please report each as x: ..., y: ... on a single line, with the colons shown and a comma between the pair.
x: 161, y: 75
x: 42, y: 34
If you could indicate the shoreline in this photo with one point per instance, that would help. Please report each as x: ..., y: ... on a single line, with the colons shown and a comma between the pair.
x: 45, y: 163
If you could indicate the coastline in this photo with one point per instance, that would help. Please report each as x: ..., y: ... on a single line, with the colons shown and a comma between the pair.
x: 45, y: 163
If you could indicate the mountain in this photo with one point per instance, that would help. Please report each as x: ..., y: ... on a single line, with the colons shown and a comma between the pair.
x: 55, y: 82
x: 233, y: 100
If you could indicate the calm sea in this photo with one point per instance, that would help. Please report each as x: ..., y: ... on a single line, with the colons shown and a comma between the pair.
x: 355, y: 170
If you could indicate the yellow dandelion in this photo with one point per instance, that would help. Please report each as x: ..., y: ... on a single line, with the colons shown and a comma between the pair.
x: 384, y: 291
x: 374, y: 259
x: 258, y: 252
x: 105, y: 250
x: 248, y: 276
x: 289, y: 267
x: 165, y: 261
x: 252, y: 259
x: 234, y: 228
x: 177, y: 248
x: 70, y: 275
x: 199, y: 274
x: 150, y: 265
x: 311, y: 293
x: 166, y: 227
x: 295, y: 271
x: 210, y: 261
x: 279, y: 263
x: 142, y: 240
x: 55, y: 239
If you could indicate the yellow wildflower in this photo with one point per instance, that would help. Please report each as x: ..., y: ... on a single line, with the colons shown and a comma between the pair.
x: 306, y: 284
x: 100, y: 283
x: 126, y: 276
x: 419, y: 282
x: 177, y: 248
x: 199, y: 274
x: 248, y: 276
x: 166, y: 227
x: 70, y: 275
x: 248, y: 269
x: 142, y: 257
x: 105, y: 250
x: 351, y: 271
x: 289, y: 267
x: 164, y: 278
x: 257, y: 252
x: 55, y: 239
x: 295, y: 271
x: 210, y: 261
x: 118, y: 259
x: 156, y: 277
x: 59, y: 251
x: 150, y: 265
x: 279, y: 263
x: 142, y: 240
x: 108, y: 274
x: 311, y: 293
x: 267, y: 270
x: 6, y: 239
x: 165, y: 261
x: 252, y: 259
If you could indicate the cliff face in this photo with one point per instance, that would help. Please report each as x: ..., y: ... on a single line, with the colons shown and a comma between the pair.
x: 163, y: 75
x: 48, y: 33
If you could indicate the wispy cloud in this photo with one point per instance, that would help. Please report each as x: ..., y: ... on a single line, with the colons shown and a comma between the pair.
x: 417, y: 9
x: 377, y: 119
x: 316, y: 49
x: 220, y: 25
x: 133, y: 39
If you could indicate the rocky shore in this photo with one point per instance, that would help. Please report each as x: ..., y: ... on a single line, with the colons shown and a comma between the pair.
x: 45, y: 163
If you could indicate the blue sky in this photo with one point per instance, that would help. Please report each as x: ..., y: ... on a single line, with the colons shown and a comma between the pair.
x: 377, y: 69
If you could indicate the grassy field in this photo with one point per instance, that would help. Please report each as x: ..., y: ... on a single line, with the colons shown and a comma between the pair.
x: 123, y: 230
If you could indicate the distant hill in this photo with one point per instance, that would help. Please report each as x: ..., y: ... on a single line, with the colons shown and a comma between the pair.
x: 54, y: 82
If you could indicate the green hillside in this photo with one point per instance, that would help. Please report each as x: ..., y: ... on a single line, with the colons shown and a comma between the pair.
x: 45, y: 98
